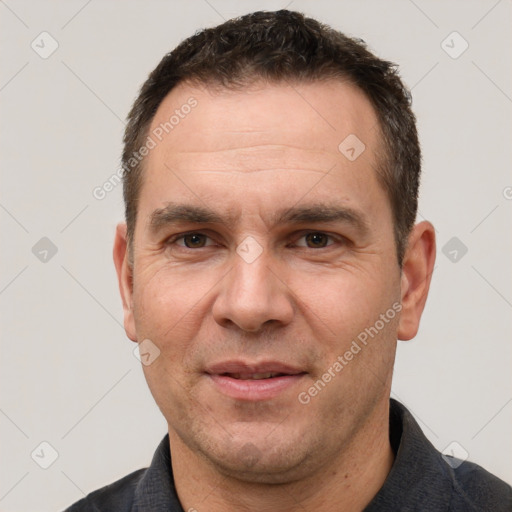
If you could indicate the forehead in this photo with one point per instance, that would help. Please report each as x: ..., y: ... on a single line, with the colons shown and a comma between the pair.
x: 316, y: 116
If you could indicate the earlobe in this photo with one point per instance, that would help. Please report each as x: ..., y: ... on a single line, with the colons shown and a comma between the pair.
x: 417, y: 268
x: 125, y: 278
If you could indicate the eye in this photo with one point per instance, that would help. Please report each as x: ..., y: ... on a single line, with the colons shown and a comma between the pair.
x: 192, y: 240
x: 315, y: 240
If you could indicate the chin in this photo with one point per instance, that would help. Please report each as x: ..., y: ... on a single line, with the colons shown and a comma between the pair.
x: 260, y: 459
x: 251, y: 467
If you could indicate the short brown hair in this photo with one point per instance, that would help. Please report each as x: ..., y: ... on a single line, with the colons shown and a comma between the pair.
x: 275, y: 47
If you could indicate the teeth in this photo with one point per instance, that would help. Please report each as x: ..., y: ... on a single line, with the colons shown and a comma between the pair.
x: 253, y: 376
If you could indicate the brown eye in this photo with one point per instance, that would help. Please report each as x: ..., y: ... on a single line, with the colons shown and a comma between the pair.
x: 194, y: 240
x: 317, y: 240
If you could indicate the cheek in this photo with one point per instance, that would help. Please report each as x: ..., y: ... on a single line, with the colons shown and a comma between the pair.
x: 340, y: 304
x: 169, y: 310
x: 169, y: 305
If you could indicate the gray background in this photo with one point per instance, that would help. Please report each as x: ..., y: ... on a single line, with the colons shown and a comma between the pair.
x: 68, y: 375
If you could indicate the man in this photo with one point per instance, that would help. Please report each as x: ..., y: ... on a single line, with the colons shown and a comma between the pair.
x: 268, y: 265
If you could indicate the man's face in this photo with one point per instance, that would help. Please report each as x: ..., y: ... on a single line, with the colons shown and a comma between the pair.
x: 261, y: 252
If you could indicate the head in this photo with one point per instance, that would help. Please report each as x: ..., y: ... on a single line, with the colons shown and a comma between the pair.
x: 269, y: 252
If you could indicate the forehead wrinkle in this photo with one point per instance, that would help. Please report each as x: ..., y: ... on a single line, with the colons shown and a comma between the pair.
x: 263, y: 169
x: 253, y: 158
x: 254, y: 148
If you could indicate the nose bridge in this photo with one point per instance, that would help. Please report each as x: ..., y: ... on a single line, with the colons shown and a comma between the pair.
x: 252, y: 279
x: 251, y: 295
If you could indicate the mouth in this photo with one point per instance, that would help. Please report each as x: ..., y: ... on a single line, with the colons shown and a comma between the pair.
x: 254, y: 376
x: 253, y: 382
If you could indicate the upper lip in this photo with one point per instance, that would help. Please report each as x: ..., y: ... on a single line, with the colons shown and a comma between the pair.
x: 247, y: 368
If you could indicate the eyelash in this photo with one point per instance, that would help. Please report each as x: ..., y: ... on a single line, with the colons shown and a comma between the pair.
x: 332, y: 238
x: 181, y: 236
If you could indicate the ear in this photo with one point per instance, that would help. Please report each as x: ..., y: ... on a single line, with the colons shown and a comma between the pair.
x: 417, y: 268
x: 125, y: 279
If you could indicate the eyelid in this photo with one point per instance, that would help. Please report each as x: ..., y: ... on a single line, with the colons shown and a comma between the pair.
x: 180, y: 236
x: 334, y: 237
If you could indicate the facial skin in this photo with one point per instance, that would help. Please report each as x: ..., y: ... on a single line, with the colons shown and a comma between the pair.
x: 264, y: 163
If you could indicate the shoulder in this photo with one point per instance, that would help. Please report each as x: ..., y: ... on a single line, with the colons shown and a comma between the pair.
x: 477, y: 489
x: 118, y: 496
x: 145, y: 489
x: 422, y: 478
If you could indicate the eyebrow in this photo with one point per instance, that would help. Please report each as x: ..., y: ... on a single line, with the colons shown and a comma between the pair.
x: 318, y: 213
x: 174, y: 213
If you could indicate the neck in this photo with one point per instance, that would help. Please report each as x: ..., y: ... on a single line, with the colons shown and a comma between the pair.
x: 351, y: 479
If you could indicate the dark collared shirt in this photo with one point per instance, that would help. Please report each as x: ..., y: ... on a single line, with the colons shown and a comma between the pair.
x: 420, y: 480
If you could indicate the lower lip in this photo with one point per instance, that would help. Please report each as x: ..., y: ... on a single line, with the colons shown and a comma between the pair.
x: 254, y: 390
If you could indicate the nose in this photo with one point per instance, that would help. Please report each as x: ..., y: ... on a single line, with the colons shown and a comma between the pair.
x: 253, y: 296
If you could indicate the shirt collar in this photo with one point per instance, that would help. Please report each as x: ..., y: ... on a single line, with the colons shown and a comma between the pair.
x: 419, y: 475
x: 156, y: 491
